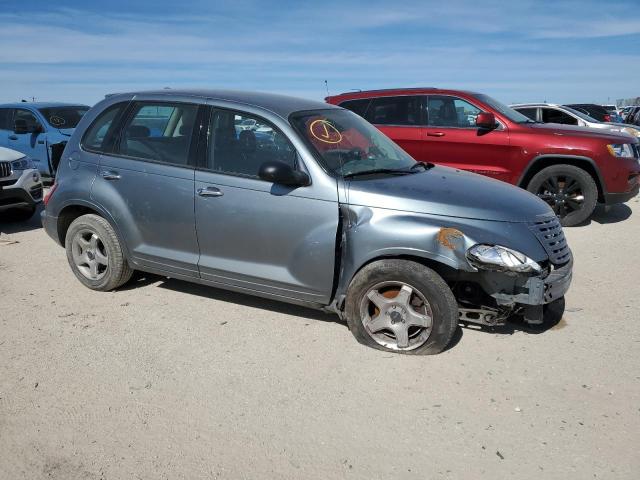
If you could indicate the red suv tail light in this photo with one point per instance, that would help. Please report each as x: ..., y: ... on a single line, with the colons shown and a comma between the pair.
x: 46, y: 198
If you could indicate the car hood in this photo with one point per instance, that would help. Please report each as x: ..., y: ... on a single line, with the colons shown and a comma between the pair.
x: 448, y: 192
x: 610, y: 136
x: 8, y: 155
x: 66, y: 131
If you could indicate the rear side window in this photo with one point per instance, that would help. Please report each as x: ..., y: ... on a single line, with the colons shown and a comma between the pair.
x: 401, y: 110
x: 551, y: 115
x: 240, y: 143
x: 6, y: 115
x: 357, y: 106
x: 97, y: 136
x: 528, y: 112
x: 159, y: 131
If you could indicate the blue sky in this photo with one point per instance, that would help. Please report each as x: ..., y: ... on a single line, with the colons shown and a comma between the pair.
x: 560, y: 51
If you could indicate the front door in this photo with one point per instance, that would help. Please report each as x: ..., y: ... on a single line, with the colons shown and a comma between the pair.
x: 453, y: 139
x: 32, y: 143
x: 254, y: 235
x: 146, y: 184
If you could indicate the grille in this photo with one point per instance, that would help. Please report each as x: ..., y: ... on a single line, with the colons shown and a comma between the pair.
x: 36, y: 192
x: 5, y: 169
x: 549, y: 232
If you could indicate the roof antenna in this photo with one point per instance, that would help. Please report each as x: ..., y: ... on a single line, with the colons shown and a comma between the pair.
x: 326, y: 85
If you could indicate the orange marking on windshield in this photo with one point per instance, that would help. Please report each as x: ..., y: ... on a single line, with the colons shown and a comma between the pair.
x: 325, y: 132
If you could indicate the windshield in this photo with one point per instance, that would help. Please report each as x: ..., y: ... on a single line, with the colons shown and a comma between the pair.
x: 505, y: 110
x: 63, y: 117
x: 348, y: 145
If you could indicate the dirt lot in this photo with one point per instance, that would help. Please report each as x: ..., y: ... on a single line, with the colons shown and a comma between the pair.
x: 164, y: 379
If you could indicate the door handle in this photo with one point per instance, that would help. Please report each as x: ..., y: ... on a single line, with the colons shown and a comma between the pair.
x: 108, y: 175
x: 210, y: 192
x: 435, y: 134
x: 12, y: 137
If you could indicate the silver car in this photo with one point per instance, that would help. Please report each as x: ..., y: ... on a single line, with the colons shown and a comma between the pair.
x: 560, y: 114
x: 322, y: 210
x: 20, y: 186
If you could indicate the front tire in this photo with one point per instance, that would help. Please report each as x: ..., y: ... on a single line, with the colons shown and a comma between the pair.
x: 95, y: 254
x: 401, y: 306
x: 570, y: 191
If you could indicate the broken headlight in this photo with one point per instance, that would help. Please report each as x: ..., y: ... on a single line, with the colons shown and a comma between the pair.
x: 501, y: 259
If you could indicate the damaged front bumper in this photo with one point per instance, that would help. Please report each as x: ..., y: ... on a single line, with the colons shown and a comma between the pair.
x: 538, y: 290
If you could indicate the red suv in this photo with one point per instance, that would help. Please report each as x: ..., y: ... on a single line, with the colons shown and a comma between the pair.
x: 571, y: 168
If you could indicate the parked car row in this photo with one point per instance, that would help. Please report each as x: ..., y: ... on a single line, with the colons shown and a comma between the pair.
x: 325, y: 212
x: 309, y: 203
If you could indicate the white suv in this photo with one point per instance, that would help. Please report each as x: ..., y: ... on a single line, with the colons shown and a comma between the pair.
x: 20, y: 186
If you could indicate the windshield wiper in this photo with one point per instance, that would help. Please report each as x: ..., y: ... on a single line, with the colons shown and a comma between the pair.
x: 375, y: 171
x: 425, y: 166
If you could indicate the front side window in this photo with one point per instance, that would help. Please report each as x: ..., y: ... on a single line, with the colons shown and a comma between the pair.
x: 97, y: 135
x: 401, y: 110
x: 240, y: 143
x: 551, y: 115
x: 64, y: 117
x: 159, y: 131
x: 347, y: 145
x: 448, y: 111
x: 28, y: 117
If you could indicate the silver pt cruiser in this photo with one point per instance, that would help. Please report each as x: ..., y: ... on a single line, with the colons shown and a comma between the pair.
x: 306, y: 203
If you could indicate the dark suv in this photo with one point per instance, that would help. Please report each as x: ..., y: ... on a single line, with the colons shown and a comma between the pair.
x: 571, y: 168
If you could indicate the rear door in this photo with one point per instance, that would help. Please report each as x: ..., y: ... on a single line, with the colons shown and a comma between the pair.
x: 255, y: 235
x: 401, y: 119
x: 453, y: 139
x: 146, y: 184
x: 34, y: 142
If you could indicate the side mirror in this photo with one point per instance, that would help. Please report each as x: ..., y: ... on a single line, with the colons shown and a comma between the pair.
x: 20, y: 126
x: 282, y: 174
x: 486, y: 121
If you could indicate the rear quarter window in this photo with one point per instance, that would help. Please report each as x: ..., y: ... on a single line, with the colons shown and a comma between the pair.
x: 98, y: 136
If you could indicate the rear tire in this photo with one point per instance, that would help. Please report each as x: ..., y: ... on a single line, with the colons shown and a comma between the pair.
x: 95, y: 254
x: 401, y: 306
x: 570, y: 191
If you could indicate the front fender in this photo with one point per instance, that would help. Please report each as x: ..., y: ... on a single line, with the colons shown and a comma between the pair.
x: 372, y: 233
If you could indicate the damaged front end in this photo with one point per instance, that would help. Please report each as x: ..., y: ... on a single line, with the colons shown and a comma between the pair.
x: 507, y: 282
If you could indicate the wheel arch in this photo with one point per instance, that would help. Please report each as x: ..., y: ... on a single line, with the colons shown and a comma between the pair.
x: 543, y: 161
x: 73, y: 210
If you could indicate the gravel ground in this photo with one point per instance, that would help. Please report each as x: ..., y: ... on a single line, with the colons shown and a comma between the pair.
x: 165, y: 379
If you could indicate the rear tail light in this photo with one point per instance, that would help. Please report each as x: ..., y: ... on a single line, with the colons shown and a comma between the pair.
x: 607, y: 118
x: 47, y: 197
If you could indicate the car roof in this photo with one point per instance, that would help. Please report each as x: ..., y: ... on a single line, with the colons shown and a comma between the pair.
x: 398, y: 91
x: 41, y: 105
x: 282, y: 105
x: 541, y: 104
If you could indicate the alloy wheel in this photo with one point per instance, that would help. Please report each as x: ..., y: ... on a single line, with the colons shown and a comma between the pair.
x: 563, y: 193
x: 396, y: 316
x: 89, y: 254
